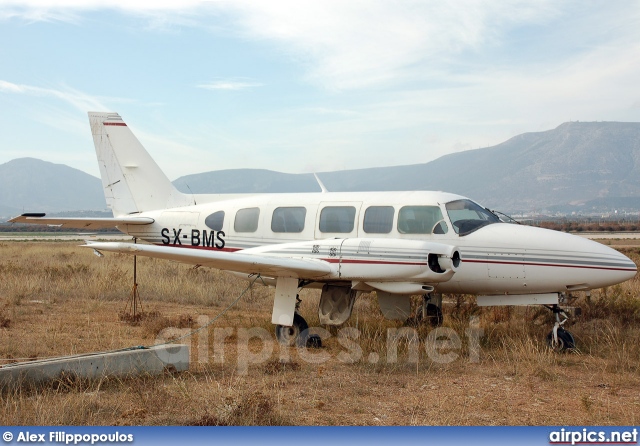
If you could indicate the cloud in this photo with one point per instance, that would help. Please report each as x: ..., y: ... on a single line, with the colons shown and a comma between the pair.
x: 343, y: 45
x: 230, y: 84
x: 425, y: 76
x: 360, y: 44
x: 77, y: 99
x: 8, y: 87
x: 331, y: 111
x: 43, y: 7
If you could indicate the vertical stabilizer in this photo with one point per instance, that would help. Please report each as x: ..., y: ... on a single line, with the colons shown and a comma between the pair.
x: 131, y: 179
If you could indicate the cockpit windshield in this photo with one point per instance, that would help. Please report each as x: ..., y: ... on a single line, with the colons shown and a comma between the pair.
x: 467, y: 216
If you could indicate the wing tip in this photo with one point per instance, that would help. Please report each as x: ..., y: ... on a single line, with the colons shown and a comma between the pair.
x: 33, y: 214
x: 24, y: 217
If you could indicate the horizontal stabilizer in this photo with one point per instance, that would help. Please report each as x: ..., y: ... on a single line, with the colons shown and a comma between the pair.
x: 81, y: 223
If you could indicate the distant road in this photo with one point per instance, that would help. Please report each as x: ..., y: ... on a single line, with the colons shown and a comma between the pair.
x: 608, y: 235
x: 16, y: 236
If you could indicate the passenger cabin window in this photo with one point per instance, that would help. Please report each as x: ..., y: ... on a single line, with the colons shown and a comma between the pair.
x: 467, y: 216
x: 247, y: 220
x: 337, y: 219
x: 288, y: 219
x: 215, y: 221
x: 421, y: 220
x: 378, y: 219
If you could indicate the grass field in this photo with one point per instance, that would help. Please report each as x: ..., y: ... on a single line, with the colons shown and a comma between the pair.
x: 59, y: 299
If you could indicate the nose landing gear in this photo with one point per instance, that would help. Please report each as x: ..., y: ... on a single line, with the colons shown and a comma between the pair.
x: 559, y: 339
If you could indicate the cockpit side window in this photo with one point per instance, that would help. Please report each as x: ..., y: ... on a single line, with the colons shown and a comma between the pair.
x: 421, y: 220
x: 467, y: 216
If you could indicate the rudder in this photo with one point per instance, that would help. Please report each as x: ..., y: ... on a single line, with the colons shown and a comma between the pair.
x: 131, y: 179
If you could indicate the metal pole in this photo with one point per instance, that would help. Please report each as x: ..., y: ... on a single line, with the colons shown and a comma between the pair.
x: 135, y: 283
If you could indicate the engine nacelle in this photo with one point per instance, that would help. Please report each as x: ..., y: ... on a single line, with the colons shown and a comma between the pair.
x: 376, y: 259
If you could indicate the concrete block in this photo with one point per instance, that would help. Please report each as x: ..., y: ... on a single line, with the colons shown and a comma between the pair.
x: 125, y: 363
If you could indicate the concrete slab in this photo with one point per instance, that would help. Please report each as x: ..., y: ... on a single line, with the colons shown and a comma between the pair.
x: 123, y: 363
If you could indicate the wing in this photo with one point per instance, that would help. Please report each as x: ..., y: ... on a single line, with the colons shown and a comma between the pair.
x: 275, y: 266
x: 81, y: 223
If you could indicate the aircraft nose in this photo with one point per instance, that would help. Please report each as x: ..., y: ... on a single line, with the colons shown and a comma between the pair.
x: 556, y: 261
x: 628, y: 268
x: 607, y: 265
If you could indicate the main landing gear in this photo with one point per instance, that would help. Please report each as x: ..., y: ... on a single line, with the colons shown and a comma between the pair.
x: 298, y: 334
x: 429, y: 312
x: 559, y: 339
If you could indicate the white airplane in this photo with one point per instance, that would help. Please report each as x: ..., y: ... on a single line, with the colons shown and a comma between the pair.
x: 397, y: 244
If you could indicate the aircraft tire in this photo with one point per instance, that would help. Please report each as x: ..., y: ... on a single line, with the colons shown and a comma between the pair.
x: 434, y: 317
x: 314, y: 341
x: 565, y: 341
x: 296, y: 335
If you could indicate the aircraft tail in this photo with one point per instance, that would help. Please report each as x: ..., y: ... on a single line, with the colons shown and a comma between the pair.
x: 131, y: 179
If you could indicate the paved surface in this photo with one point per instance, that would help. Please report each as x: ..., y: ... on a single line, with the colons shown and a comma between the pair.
x: 65, y: 237
x: 609, y: 235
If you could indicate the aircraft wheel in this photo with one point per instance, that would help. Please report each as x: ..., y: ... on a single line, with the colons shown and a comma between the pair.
x: 296, y: 335
x: 565, y: 341
x: 431, y: 315
x: 314, y: 341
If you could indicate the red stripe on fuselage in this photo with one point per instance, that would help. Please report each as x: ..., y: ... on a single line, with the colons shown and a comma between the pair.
x: 115, y: 123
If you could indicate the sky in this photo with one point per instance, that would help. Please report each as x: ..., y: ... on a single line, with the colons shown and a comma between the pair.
x: 309, y: 86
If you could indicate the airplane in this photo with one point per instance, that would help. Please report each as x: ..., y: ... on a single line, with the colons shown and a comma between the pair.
x: 397, y: 244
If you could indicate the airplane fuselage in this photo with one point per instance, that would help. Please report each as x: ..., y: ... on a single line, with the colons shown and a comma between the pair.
x: 496, y: 257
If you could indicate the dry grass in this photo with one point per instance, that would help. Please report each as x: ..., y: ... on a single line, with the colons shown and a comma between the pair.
x: 58, y: 299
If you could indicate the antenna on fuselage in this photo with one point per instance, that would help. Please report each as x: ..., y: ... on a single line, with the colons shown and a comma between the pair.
x: 192, y: 194
x: 324, y: 189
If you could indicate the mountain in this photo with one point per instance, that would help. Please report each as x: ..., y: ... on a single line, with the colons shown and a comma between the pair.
x: 233, y: 181
x: 33, y: 185
x: 572, y: 164
x: 569, y: 166
x: 578, y: 166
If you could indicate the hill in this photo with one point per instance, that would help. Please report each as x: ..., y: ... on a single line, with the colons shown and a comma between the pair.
x: 233, y: 181
x: 33, y: 185
x: 576, y: 167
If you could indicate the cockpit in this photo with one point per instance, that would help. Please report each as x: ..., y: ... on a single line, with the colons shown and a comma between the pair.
x: 467, y: 216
